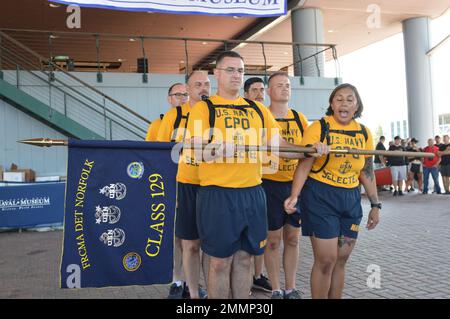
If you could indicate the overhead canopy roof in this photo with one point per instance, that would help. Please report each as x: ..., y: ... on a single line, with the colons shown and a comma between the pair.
x: 345, y: 24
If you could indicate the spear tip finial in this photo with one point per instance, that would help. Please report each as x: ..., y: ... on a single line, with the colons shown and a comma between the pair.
x: 43, y: 142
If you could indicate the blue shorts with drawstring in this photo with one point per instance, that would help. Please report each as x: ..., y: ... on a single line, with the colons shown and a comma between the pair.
x: 329, y: 211
x: 232, y: 219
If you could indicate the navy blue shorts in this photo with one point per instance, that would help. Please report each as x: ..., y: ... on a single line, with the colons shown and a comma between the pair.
x: 232, y: 219
x: 328, y: 211
x: 186, y: 220
x: 276, y: 194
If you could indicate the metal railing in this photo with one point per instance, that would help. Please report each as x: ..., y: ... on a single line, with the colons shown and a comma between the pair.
x: 31, y: 60
x: 119, y: 53
x: 48, y: 82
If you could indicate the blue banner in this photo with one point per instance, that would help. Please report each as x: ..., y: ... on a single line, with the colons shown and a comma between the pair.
x: 119, y: 214
x: 260, y: 8
x: 29, y: 205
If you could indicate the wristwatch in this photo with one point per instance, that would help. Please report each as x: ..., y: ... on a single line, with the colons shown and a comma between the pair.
x: 373, y: 205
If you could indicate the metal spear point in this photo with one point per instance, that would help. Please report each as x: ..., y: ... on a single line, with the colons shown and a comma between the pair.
x: 44, y: 142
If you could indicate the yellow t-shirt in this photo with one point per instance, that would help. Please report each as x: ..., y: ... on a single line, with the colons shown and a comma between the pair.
x: 152, y: 132
x: 342, y: 170
x: 187, y: 166
x: 166, y: 132
x: 234, y: 125
x: 290, y: 131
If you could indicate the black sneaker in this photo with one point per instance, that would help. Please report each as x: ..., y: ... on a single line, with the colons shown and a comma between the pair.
x: 294, y: 294
x: 176, y: 292
x: 277, y: 294
x: 201, y: 293
x: 395, y: 193
x: 186, y: 294
x: 400, y: 193
x: 262, y: 283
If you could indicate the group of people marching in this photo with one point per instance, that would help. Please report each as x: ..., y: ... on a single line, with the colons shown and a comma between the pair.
x: 236, y: 206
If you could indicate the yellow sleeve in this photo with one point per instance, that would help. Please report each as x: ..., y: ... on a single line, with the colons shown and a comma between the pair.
x: 198, y: 123
x: 153, y: 131
x: 148, y: 136
x: 304, y: 121
x: 312, y: 134
x: 166, y: 129
x: 271, y: 125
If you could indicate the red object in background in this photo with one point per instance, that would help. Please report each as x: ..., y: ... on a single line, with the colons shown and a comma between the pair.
x: 383, y: 176
x: 430, y: 162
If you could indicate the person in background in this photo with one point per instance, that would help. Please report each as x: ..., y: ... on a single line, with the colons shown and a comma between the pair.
x: 380, y: 161
x: 404, y: 143
x: 444, y: 153
x: 176, y: 96
x: 415, y: 168
x: 438, y: 144
x: 254, y: 89
x: 398, y: 167
x: 437, y: 140
x: 430, y: 166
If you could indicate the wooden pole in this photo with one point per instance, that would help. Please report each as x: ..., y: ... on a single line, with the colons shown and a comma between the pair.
x: 47, y: 142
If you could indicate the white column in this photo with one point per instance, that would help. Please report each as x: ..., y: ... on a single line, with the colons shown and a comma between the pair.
x: 307, y: 27
x: 421, y: 115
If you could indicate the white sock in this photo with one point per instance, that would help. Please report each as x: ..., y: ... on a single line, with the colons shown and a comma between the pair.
x: 288, y: 291
x: 178, y: 283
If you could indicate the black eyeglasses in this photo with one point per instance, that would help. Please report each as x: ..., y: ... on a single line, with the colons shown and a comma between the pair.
x: 179, y: 95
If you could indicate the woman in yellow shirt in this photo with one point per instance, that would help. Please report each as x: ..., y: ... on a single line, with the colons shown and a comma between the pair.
x: 330, y: 199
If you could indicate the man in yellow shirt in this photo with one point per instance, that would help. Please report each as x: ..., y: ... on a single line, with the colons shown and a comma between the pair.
x: 187, y: 243
x: 282, y: 226
x: 231, y: 204
x: 153, y: 128
x: 177, y: 95
x: 254, y: 89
